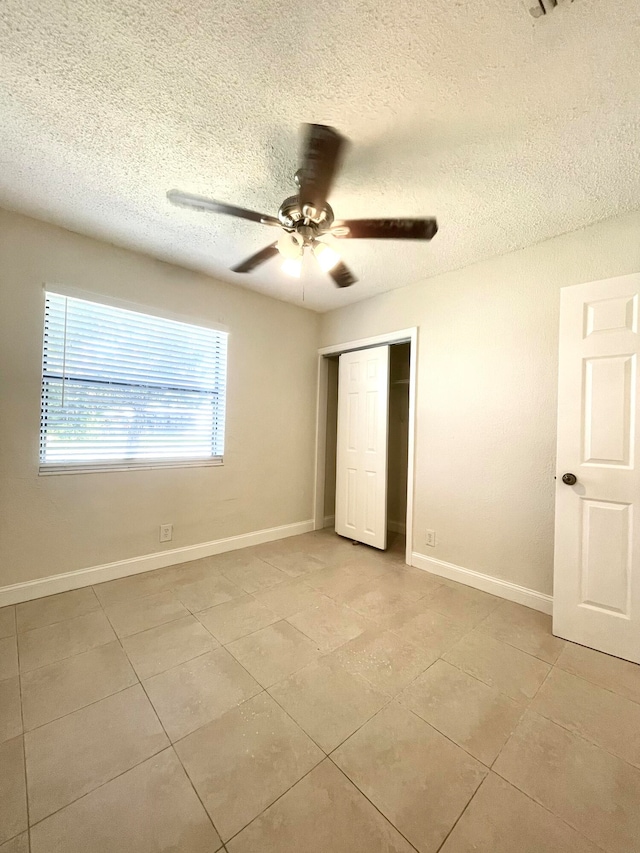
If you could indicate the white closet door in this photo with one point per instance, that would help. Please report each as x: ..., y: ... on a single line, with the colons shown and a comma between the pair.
x: 596, y: 599
x: 361, y: 464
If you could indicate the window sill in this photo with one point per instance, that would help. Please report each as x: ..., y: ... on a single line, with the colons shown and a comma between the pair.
x: 97, y: 468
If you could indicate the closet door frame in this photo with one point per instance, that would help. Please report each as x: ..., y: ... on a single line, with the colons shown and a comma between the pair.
x: 398, y: 337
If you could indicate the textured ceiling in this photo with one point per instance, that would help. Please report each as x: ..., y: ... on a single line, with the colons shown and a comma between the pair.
x: 509, y: 129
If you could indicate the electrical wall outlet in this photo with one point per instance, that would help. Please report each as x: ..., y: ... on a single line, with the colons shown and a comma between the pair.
x: 431, y: 537
x: 166, y: 532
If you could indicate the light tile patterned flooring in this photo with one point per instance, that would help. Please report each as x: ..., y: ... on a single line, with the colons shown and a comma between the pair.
x: 309, y: 696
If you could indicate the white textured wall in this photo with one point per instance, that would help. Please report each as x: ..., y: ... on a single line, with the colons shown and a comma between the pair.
x: 61, y: 523
x: 486, y: 395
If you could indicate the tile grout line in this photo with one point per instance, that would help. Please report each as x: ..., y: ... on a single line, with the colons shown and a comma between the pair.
x: 173, y: 666
x: 24, y: 745
x: 81, y: 708
x: 68, y: 657
x: 392, y: 698
x: 298, y: 726
x: 325, y: 753
x: 117, y: 776
x: 487, y: 767
x: 221, y: 645
x: 582, y: 737
x: 323, y: 650
x: 525, y: 710
x: 101, y: 785
x: 595, y: 683
x: 172, y: 747
x: 191, y: 782
x: 87, y: 651
x: 547, y: 809
x: 263, y: 690
x: 459, y: 818
x: 279, y: 797
x: 382, y: 627
x: 249, y: 634
x: 525, y: 793
x: 572, y: 731
x: 493, y: 687
x: 295, y: 672
x: 186, y: 773
x: 386, y: 705
x: 542, y: 683
x: 292, y: 577
x: 151, y: 628
x: 119, y: 641
x: 239, y: 704
x: 175, y: 618
x: 323, y: 654
x: 410, y: 604
x: 388, y: 820
x: 147, y: 758
x: 55, y: 621
x: 517, y: 648
x: 75, y: 654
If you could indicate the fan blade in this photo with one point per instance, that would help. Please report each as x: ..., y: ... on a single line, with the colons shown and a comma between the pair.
x: 342, y: 275
x: 391, y: 229
x: 257, y: 259
x: 321, y: 158
x: 199, y: 202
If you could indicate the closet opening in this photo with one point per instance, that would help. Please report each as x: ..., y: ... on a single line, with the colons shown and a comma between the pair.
x: 398, y: 384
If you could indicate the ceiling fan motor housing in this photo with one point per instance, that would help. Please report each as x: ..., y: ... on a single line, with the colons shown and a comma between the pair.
x: 295, y: 216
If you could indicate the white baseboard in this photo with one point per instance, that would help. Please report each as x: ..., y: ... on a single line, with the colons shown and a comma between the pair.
x: 40, y: 587
x: 496, y: 586
x: 329, y: 521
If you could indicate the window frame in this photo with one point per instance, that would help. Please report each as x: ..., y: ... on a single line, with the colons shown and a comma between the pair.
x: 48, y: 469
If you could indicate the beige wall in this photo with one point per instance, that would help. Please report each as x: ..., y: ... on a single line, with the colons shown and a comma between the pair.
x: 486, y: 394
x: 61, y: 523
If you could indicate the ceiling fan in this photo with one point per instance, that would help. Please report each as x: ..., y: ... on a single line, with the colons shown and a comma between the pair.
x: 307, y: 220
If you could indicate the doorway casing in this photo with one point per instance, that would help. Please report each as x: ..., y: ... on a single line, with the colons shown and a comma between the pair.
x: 402, y: 336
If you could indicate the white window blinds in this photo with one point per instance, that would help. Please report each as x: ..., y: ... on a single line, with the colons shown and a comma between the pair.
x: 123, y: 389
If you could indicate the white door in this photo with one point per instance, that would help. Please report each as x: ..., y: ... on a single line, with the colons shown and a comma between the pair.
x: 596, y: 600
x: 361, y: 457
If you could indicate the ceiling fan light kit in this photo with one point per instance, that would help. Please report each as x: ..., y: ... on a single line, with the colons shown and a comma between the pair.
x: 326, y: 255
x: 307, y: 219
x: 292, y: 266
x: 290, y: 245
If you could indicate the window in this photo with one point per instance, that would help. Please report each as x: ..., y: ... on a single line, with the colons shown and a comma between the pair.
x: 127, y: 390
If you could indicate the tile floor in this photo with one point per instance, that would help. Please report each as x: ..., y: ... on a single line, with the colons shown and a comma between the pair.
x: 309, y: 696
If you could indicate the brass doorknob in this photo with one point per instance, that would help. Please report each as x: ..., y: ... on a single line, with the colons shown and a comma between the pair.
x: 569, y: 479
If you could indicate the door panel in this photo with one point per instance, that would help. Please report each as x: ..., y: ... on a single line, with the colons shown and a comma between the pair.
x: 606, y: 528
x: 609, y: 403
x: 361, y: 458
x: 597, y: 548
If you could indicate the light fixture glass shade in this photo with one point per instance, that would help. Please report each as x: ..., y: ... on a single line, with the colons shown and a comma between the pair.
x: 288, y: 246
x: 292, y: 266
x: 326, y: 256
